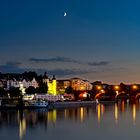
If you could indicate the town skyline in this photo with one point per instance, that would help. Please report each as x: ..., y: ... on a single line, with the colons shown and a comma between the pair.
x: 94, y: 39
x: 32, y: 75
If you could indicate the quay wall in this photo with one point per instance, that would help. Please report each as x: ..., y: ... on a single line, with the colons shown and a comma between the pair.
x: 72, y: 104
x: 56, y: 105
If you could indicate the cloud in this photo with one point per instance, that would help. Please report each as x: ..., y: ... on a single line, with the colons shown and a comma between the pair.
x: 11, y: 67
x: 16, y: 67
x: 60, y: 66
x: 13, y: 64
x: 68, y: 60
x: 101, y: 63
x: 55, y: 59
x: 66, y: 72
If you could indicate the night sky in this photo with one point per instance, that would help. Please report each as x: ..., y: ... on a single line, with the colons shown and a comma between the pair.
x: 97, y: 40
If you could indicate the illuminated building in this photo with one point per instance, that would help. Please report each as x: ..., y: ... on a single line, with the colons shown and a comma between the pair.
x: 81, y: 85
x: 25, y: 83
x: 62, y: 85
x: 52, y: 84
x: 75, y: 83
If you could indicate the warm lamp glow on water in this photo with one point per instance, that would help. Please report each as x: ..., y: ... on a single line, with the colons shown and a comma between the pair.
x: 102, y: 121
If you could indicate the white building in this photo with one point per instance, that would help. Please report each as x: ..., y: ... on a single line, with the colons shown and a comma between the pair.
x: 24, y: 83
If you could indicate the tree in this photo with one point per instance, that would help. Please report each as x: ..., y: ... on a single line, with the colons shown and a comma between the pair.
x: 43, y: 87
x: 30, y: 75
x: 76, y: 94
x: 14, y: 92
x: 2, y: 92
x: 30, y: 90
x: 69, y: 90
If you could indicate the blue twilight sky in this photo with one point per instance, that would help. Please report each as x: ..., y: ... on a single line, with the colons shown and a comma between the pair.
x: 97, y: 40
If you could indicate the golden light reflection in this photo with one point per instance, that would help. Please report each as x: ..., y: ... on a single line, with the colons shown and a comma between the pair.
x: 18, y: 116
x: 134, y: 112
x: 52, y: 116
x: 22, y: 128
x: 81, y: 114
x: 116, y: 112
x: 99, y: 112
x: 65, y: 113
x: 102, y: 109
x: 123, y: 108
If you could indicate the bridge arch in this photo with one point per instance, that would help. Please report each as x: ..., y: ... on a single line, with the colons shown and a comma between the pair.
x: 123, y: 94
x: 137, y: 95
x: 98, y: 95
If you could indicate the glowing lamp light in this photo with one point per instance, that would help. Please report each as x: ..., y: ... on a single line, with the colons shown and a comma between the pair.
x: 117, y: 87
x: 22, y: 89
x: 85, y: 95
x: 81, y: 87
x: 135, y: 87
x: 102, y: 91
x: 99, y: 87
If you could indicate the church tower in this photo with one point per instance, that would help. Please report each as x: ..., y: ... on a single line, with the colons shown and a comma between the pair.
x: 45, y: 78
x: 51, y: 84
x: 54, y: 84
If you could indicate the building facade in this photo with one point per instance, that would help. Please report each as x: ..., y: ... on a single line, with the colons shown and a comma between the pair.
x: 24, y: 83
x: 51, y: 83
x: 81, y: 85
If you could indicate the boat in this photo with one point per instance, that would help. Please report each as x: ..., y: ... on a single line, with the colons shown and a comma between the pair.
x: 36, y: 104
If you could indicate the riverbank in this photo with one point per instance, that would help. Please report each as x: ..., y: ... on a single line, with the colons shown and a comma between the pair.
x: 57, y: 105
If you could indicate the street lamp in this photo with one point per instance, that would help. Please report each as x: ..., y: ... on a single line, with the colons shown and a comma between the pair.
x: 134, y: 87
x: 22, y: 89
x: 99, y: 87
x: 116, y: 88
x: 102, y: 91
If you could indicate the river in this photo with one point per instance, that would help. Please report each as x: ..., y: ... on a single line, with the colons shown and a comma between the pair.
x: 97, y: 122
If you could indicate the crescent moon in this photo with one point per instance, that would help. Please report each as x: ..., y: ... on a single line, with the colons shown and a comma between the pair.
x: 65, y: 14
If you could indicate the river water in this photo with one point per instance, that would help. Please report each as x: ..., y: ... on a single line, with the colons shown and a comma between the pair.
x: 97, y: 122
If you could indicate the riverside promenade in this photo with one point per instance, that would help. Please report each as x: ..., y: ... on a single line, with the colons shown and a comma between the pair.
x: 59, y: 105
x: 71, y: 104
x: 68, y: 104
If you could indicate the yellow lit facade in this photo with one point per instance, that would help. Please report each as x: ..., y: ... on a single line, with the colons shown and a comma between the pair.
x: 52, y: 86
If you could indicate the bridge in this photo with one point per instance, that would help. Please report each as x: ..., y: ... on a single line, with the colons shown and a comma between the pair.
x: 118, y: 96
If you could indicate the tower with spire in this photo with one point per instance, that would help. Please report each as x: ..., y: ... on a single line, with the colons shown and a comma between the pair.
x: 52, y: 84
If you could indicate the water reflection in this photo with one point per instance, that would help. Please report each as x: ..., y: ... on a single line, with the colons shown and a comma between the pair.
x: 22, y: 128
x: 134, y: 112
x: 99, y: 112
x: 27, y: 120
x: 116, y: 113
